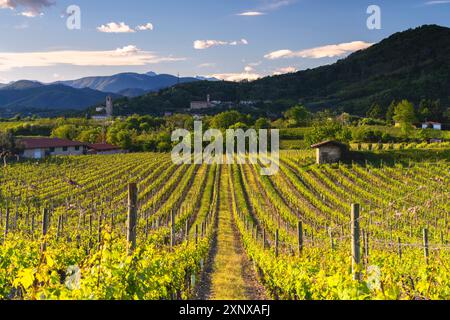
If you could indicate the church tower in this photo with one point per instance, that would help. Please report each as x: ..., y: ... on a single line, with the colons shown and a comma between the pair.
x: 109, y: 106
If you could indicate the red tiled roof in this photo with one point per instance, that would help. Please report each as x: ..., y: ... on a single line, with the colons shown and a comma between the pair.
x: 35, y: 143
x: 103, y: 147
x: 329, y: 142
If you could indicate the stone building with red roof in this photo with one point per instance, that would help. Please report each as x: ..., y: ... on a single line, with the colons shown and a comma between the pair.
x: 38, y: 148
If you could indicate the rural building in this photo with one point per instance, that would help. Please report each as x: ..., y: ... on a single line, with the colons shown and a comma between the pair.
x: 432, y: 125
x: 197, y: 105
x: 106, y: 112
x: 329, y: 151
x: 38, y: 148
x: 104, y: 148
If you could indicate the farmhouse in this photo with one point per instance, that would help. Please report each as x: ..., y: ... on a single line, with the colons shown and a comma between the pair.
x: 329, y: 151
x: 38, y: 148
x: 432, y: 125
x: 104, y: 148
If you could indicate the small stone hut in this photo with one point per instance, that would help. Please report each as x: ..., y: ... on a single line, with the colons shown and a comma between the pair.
x: 330, y: 151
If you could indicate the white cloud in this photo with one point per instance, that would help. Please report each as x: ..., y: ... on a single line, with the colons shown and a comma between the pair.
x: 206, y: 44
x: 330, y: 51
x: 207, y: 65
x: 31, y: 8
x: 248, y: 74
x: 276, y: 4
x: 127, y: 50
x: 251, y: 14
x: 431, y: 3
x: 145, y: 27
x: 114, y: 27
x: 31, y: 14
x: 278, y: 54
x: 269, y: 5
x: 126, y: 56
x: 255, y: 64
x: 236, y: 76
x: 284, y: 70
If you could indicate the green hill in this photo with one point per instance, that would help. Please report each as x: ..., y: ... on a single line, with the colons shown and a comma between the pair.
x: 413, y: 64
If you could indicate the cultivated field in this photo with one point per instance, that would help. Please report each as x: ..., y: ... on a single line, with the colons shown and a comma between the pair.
x: 224, y: 232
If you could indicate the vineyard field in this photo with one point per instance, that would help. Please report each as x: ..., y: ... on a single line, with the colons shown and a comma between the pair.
x: 65, y: 229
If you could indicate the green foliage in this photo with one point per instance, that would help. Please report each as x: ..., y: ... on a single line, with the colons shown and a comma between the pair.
x: 66, y: 131
x: 364, y: 134
x: 328, y: 130
x: 226, y: 120
x: 262, y: 123
x: 405, y: 115
x: 375, y: 112
x: 297, y: 116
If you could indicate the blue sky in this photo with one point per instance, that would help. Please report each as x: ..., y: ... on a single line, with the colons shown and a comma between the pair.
x: 229, y: 39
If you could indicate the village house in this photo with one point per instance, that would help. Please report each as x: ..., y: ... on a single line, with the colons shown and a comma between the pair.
x: 329, y: 151
x: 432, y: 125
x: 38, y: 148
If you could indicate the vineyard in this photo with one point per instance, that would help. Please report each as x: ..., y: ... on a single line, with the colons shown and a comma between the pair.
x: 137, y: 226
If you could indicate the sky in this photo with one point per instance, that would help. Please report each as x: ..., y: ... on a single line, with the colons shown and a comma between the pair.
x: 227, y: 39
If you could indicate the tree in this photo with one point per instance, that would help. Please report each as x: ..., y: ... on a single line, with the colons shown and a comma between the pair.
x: 390, y: 112
x: 66, y: 131
x: 9, y: 147
x: 405, y: 115
x: 297, y: 115
x: 327, y: 131
x: 262, y: 123
x: 375, y: 111
x: 225, y: 120
x: 92, y: 135
x: 424, y: 112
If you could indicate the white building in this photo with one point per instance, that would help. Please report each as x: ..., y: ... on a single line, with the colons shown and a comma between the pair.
x: 106, y: 112
x: 432, y: 125
x: 197, y: 105
x: 38, y: 148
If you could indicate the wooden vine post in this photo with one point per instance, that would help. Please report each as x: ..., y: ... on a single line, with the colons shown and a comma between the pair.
x: 132, y: 217
x: 425, y: 244
x: 264, y: 239
x: 276, y: 242
x: 196, y: 234
x: 172, y: 229
x: 6, y: 223
x: 45, y: 223
x: 300, y: 237
x: 356, y: 253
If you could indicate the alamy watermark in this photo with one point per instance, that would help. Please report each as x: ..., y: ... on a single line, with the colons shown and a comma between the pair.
x: 236, y: 151
x: 374, y: 20
x: 73, y: 21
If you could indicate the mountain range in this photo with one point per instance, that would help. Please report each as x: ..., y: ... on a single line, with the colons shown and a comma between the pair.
x: 413, y: 64
x: 82, y: 93
x: 130, y: 84
x: 24, y: 95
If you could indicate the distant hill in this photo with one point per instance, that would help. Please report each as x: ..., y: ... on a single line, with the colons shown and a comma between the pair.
x: 132, y: 92
x: 129, y: 84
x: 413, y: 64
x: 22, y: 84
x: 25, y: 95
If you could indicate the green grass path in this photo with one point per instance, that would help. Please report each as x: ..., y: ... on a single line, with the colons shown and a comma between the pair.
x: 231, y: 274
